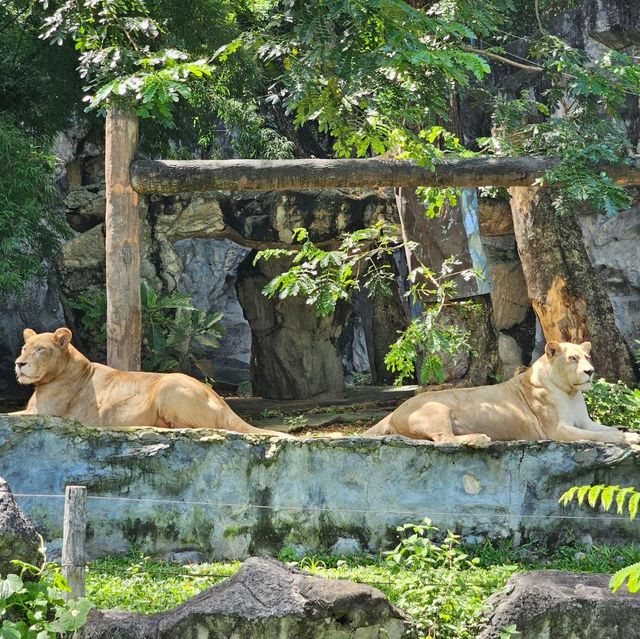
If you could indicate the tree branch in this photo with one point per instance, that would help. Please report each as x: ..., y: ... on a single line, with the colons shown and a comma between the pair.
x: 500, y: 58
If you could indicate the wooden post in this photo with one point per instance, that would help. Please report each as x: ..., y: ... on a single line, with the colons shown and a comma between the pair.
x: 73, y: 539
x: 122, y: 229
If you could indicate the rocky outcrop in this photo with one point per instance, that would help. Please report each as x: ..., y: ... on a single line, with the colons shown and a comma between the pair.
x: 294, y: 352
x: 615, y: 24
x: 563, y: 605
x: 513, y: 316
x: 209, y: 273
x: 196, y: 245
x: 18, y: 537
x: 614, y: 249
x: 268, y: 600
x: 232, y: 496
x: 38, y: 307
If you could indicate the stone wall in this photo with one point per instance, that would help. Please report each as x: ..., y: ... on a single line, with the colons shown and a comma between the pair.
x: 232, y: 496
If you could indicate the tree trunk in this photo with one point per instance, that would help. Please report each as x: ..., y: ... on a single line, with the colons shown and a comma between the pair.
x: 122, y: 243
x: 565, y: 291
x: 190, y: 176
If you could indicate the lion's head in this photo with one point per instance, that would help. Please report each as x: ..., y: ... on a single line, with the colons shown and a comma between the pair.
x: 43, y: 356
x: 570, y: 365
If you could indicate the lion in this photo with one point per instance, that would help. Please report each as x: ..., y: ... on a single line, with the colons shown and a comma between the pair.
x: 545, y: 402
x: 69, y: 385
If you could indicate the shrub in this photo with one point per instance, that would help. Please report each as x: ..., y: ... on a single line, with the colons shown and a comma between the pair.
x: 173, y: 330
x: 437, y: 584
x: 613, y: 404
x: 32, y: 604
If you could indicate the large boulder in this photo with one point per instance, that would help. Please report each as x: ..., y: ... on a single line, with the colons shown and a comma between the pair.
x: 264, y: 600
x: 563, y: 605
x: 18, y: 537
x: 295, y: 354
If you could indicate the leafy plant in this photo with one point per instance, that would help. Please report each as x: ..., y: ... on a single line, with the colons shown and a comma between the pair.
x: 32, y: 604
x: 326, y: 277
x: 30, y: 229
x: 578, y: 121
x: 296, y: 422
x: 605, y: 496
x: 435, y: 582
x: 173, y: 330
x: 613, y: 404
x: 361, y: 70
x: 117, y: 61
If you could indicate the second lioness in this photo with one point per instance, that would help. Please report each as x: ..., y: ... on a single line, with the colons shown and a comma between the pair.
x: 545, y: 402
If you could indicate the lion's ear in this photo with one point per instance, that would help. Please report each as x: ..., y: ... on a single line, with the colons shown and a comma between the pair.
x: 552, y: 349
x: 27, y: 334
x: 586, y: 347
x: 62, y: 337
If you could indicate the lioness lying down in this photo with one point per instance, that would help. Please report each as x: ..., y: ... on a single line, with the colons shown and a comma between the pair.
x: 545, y: 402
x: 69, y: 385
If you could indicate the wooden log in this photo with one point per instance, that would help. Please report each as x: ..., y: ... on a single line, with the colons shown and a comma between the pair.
x: 122, y: 228
x: 74, y: 557
x: 190, y: 176
x: 563, y: 286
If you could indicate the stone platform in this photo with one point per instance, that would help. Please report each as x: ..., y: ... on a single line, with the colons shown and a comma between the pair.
x: 232, y: 496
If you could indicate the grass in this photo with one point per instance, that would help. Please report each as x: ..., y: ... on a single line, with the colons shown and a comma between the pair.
x: 458, y: 578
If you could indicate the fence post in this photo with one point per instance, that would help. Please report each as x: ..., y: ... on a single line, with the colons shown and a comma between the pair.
x: 73, y: 539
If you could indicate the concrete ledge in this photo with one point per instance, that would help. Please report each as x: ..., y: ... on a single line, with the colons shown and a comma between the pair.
x: 252, y: 496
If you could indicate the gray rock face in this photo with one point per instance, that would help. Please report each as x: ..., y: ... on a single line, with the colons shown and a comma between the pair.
x: 552, y: 604
x: 613, y: 245
x: 294, y: 353
x: 233, y: 496
x: 209, y: 271
x: 264, y: 600
x: 18, y: 537
x: 38, y: 307
x: 615, y: 24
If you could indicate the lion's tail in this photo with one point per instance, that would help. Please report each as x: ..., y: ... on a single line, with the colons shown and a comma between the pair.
x: 381, y: 428
x: 237, y: 424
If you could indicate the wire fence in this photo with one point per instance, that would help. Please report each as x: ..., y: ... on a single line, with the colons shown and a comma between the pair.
x: 74, y: 560
x: 498, y: 514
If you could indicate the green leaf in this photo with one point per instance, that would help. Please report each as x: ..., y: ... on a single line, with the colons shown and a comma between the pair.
x: 582, y: 491
x: 607, y: 496
x: 10, y: 585
x: 633, y: 505
x: 9, y: 631
x: 567, y: 496
x: 593, y: 494
x: 620, y: 498
x: 71, y: 616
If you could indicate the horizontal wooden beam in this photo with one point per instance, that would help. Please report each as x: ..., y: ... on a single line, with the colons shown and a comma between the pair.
x: 190, y: 176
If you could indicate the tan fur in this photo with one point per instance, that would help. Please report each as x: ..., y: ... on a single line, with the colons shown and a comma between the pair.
x: 69, y: 385
x: 545, y: 402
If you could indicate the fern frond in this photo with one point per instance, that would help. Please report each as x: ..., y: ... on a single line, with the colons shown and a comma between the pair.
x: 604, y: 496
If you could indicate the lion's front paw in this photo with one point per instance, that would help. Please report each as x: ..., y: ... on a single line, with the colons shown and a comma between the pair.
x: 480, y: 440
x: 631, y: 438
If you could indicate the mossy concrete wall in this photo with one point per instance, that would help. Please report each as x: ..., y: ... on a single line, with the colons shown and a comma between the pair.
x: 253, y: 496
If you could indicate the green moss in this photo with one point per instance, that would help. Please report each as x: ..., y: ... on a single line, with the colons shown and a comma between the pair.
x: 235, y: 531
